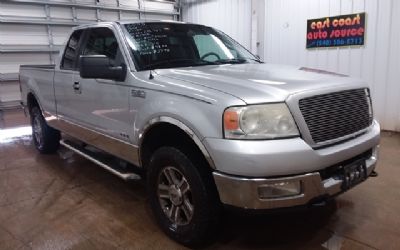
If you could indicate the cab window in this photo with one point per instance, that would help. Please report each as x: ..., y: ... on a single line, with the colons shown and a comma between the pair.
x: 71, y: 51
x: 102, y: 41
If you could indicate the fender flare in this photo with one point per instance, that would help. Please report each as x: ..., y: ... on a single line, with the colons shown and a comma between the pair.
x: 182, y: 126
x: 31, y: 92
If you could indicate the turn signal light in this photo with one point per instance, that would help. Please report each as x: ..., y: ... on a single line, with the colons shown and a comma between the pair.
x: 231, y: 120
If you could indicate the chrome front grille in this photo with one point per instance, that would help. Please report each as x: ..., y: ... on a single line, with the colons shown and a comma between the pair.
x: 336, y: 115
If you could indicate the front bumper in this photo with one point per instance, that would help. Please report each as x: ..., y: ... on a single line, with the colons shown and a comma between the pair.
x: 243, y: 192
x: 283, y: 157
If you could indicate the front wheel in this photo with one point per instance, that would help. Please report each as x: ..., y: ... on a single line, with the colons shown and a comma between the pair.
x: 45, y: 138
x: 183, y: 197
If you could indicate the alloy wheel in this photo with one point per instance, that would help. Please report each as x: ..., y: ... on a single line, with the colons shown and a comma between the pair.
x: 175, y: 196
x: 37, y: 130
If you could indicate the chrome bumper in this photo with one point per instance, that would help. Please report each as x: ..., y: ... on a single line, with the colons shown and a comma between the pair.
x: 243, y: 192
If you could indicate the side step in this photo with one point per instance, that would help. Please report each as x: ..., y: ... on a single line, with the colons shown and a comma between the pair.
x: 105, y: 161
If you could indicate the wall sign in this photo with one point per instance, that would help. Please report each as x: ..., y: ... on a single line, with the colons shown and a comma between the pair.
x: 345, y: 30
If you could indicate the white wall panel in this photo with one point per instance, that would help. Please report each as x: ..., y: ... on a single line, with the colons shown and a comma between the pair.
x: 129, y: 3
x: 86, y: 14
x: 15, y: 34
x: 129, y: 15
x: 61, y: 13
x: 18, y: 10
x: 230, y: 16
x: 378, y: 62
x: 157, y: 17
x: 152, y: 5
x: 108, y: 15
x: 108, y: 3
x: 85, y: 1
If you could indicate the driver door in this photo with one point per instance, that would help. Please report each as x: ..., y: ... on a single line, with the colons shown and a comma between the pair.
x: 104, y: 104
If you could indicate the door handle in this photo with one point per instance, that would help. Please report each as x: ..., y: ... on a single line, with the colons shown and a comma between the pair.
x: 77, y: 88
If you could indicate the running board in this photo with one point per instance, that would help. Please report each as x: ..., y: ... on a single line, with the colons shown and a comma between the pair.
x: 108, y: 163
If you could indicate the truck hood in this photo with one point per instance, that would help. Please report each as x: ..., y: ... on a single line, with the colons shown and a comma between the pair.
x: 257, y: 83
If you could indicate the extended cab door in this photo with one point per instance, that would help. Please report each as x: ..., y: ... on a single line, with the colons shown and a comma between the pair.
x: 103, y: 105
x: 64, y: 89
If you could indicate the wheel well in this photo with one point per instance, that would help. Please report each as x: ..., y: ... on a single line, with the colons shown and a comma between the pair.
x: 32, y: 102
x: 166, y: 134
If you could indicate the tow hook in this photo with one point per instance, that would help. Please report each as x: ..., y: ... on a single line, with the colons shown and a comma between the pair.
x: 374, y: 174
x: 319, y: 204
x: 319, y: 201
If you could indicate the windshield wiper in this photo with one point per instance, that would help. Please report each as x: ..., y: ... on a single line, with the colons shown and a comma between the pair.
x: 180, y: 60
x: 230, y: 61
x: 256, y: 60
x: 237, y: 60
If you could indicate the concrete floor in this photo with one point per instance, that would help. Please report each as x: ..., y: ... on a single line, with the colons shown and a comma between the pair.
x: 63, y: 201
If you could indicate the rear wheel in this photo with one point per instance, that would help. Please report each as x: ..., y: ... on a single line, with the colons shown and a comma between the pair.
x: 183, y: 197
x: 45, y: 138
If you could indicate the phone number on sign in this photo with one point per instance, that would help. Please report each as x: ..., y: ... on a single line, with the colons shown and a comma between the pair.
x: 340, y: 42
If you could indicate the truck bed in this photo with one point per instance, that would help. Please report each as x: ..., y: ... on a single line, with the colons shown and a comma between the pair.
x: 38, y: 79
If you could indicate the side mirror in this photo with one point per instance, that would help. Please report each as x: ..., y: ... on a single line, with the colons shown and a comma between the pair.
x: 99, y: 66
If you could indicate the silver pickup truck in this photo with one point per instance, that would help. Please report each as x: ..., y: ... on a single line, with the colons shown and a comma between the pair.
x: 202, y: 120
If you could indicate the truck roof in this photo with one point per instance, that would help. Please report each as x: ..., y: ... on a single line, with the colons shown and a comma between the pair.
x: 127, y: 22
x: 148, y: 21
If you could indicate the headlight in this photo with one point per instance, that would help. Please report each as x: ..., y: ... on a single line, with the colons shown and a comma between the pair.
x: 267, y: 121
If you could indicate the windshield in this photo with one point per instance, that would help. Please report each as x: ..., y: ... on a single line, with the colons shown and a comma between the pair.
x: 170, y: 45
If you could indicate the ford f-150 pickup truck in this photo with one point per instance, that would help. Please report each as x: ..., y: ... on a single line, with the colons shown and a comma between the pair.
x: 202, y: 120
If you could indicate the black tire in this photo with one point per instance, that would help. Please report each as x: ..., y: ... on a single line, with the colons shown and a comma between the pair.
x: 45, y: 138
x: 201, y: 228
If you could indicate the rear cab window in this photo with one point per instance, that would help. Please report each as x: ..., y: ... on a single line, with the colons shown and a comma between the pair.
x: 69, y: 59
